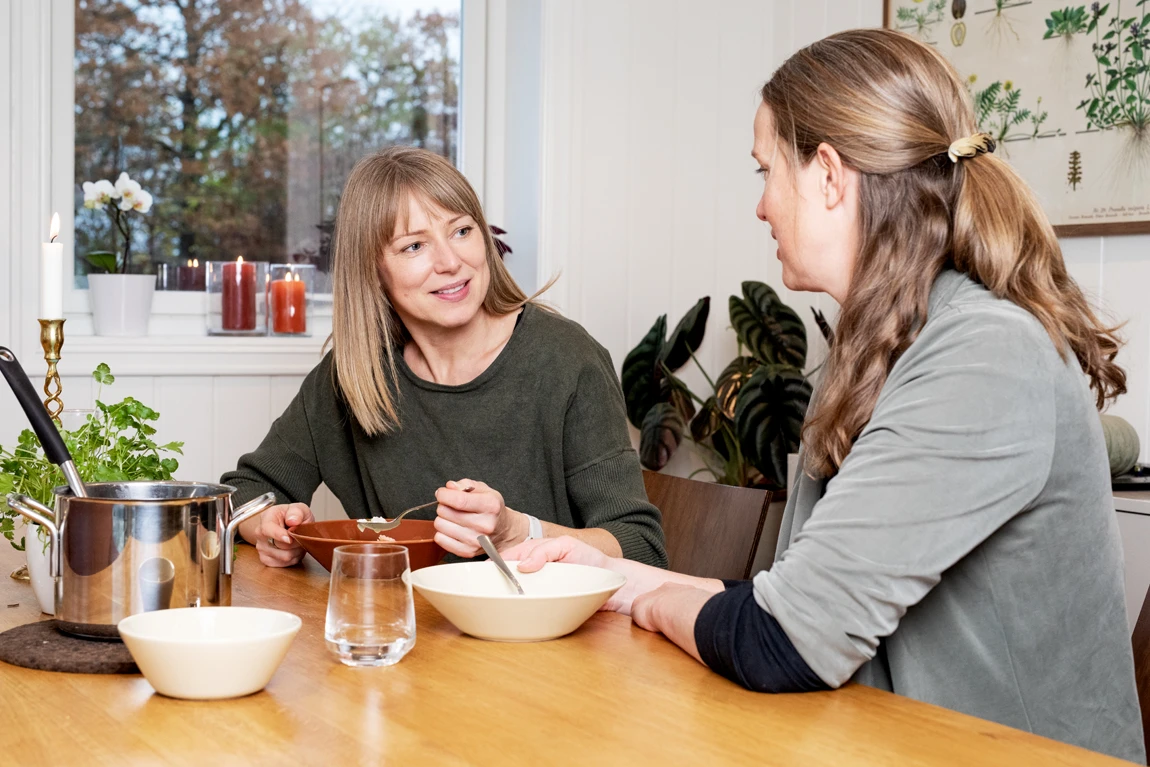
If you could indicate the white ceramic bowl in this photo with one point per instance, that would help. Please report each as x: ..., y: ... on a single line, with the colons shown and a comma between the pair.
x: 205, y: 653
x: 480, y: 601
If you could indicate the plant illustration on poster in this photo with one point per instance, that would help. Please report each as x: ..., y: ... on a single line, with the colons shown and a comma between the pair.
x: 1065, y: 89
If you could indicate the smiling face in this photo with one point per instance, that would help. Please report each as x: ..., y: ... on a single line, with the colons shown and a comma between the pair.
x: 812, y: 211
x: 434, y: 269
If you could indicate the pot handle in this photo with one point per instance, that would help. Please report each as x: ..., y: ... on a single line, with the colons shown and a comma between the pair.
x: 34, y: 511
x: 42, y: 423
x: 249, y: 509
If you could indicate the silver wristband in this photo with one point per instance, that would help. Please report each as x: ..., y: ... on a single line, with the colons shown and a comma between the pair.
x: 534, y: 527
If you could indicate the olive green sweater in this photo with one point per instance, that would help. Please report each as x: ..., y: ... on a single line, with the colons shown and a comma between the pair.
x: 545, y: 425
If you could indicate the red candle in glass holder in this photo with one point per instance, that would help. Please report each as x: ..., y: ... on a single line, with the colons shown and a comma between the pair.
x: 239, y: 296
x: 190, y: 277
x: 289, y: 305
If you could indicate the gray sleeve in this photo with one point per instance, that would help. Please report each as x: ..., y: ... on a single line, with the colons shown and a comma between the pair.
x: 960, y: 441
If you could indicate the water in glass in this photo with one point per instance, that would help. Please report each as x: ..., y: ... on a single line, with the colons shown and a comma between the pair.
x: 370, y: 611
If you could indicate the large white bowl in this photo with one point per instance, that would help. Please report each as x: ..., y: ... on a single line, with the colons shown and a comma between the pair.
x: 480, y: 601
x: 206, y: 653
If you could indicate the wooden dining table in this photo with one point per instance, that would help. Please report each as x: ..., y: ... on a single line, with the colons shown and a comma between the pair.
x: 610, y: 693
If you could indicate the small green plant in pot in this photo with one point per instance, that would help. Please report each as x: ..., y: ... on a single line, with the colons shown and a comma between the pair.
x: 752, y: 419
x: 113, y: 445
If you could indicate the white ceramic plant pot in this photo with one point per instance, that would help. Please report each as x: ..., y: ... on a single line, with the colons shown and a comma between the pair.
x: 121, y: 303
x: 43, y: 586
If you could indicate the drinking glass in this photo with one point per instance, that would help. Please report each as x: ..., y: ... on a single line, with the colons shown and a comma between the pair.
x: 370, y: 610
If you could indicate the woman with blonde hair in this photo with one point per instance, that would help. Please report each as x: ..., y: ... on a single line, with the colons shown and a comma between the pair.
x: 952, y: 537
x: 442, y: 368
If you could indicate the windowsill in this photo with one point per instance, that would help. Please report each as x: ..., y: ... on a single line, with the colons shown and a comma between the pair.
x: 192, y: 355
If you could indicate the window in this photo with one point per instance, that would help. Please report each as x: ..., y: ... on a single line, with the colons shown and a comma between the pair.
x: 243, y: 118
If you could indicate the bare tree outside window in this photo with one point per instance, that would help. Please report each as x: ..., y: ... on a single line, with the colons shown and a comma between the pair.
x: 243, y: 118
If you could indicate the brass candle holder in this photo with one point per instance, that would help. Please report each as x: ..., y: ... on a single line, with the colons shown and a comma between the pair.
x: 52, y: 340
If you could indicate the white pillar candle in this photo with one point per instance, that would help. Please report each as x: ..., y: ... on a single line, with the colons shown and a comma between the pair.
x: 52, y: 275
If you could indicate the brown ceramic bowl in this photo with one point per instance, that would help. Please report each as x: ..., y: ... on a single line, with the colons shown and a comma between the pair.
x: 320, y: 539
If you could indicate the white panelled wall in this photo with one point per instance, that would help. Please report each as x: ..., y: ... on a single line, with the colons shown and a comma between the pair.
x: 648, y: 186
x: 649, y: 189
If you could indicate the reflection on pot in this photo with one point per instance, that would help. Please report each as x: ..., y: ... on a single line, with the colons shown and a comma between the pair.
x: 156, y: 577
x: 210, y: 567
x: 158, y: 524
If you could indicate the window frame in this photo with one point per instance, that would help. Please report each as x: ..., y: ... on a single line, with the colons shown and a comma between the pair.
x: 181, y: 313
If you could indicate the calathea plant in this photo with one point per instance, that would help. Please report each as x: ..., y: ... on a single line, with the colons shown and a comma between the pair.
x: 754, y: 415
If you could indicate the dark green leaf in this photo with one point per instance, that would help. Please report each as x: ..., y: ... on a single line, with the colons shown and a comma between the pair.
x: 687, y: 336
x: 729, y: 382
x: 660, y: 435
x: 640, y: 376
x: 769, y: 415
x: 824, y: 326
x: 673, y: 390
x: 707, y: 421
x: 770, y: 329
x: 103, y: 261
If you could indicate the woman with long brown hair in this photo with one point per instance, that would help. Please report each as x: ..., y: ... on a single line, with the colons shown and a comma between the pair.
x: 952, y: 537
x: 441, y: 368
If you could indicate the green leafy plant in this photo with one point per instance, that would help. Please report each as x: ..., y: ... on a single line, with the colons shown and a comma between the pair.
x: 754, y: 414
x: 1066, y: 23
x: 921, y: 19
x: 1074, y: 174
x: 113, y: 445
x: 1119, y: 87
x: 997, y: 108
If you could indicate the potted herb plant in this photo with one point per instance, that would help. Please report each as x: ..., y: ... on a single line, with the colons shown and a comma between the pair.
x: 754, y: 415
x: 113, y: 445
x: 121, y: 302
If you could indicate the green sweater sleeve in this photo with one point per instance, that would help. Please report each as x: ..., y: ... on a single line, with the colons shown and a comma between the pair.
x: 604, y: 479
x: 285, y: 463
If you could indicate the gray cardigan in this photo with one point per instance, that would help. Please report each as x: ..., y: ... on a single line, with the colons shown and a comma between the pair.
x: 967, y: 553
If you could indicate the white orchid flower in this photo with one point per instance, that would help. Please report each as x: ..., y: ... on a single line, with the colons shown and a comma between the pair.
x: 99, y: 193
x: 142, y: 202
x: 127, y: 189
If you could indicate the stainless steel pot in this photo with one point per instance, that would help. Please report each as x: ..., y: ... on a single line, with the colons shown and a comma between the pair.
x: 131, y: 547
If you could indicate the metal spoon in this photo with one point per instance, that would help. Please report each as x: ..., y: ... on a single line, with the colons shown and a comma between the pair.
x: 489, y: 547
x: 391, y: 524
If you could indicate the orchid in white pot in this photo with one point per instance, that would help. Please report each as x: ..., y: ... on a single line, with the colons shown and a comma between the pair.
x: 121, y: 302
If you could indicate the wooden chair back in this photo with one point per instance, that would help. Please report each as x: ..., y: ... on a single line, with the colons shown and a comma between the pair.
x: 713, y: 531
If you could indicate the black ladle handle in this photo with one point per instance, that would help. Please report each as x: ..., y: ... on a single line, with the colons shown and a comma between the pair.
x: 41, y: 421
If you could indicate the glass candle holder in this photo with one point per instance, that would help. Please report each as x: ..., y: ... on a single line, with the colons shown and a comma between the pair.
x: 237, y: 302
x: 190, y: 275
x: 165, y: 276
x: 289, y: 293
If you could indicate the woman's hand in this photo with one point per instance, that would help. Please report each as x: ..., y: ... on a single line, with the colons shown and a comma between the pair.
x: 269, y: 533
x: 534, y: 554
x: 464, y: 514
x: 672, y: 610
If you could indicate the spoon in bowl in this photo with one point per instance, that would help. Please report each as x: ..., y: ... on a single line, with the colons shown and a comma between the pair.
x: 493, y: 555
